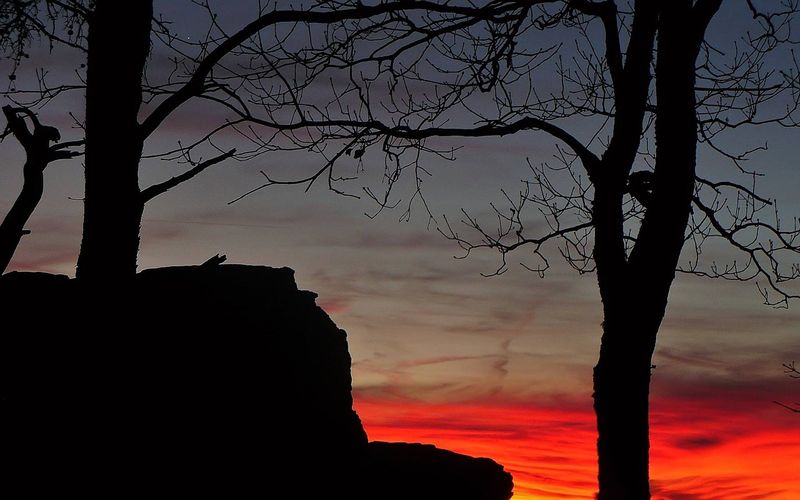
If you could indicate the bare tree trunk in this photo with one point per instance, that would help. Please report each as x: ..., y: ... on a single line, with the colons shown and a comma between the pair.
x: 38, y: 154
x: 621, y: 401
x: 13, y: 227
x: 635, y: 296
x: 621, y: 392
x: 119, y: 42
x: 622, y: 374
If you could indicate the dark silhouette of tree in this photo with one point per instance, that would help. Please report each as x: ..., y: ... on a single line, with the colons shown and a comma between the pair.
x: 632, y: 227
x: 623, y: 201
x: 39, y: 154
x: 265, y: 64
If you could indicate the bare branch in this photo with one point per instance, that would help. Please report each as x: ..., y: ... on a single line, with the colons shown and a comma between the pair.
x: 794, y: 409
x: 157, y: 189
x: 720, y: 184
x: 762, y: 256
x: 195, y: 85
x: 38, y: 155
x: 17, y: 127
x: 607, y: 12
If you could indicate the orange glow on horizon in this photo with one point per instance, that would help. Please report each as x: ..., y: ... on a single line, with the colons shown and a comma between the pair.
x: 696, y: 452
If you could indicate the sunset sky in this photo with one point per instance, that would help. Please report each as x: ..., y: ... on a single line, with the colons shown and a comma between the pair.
x: 498, y: 367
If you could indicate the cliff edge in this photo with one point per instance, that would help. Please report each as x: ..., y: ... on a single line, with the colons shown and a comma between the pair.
x: 221, y: 380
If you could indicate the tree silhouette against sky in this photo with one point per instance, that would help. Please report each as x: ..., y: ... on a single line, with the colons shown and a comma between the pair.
x: 243, y: 71
x: 39, y: 153
x: 646, y: 84
x: 628, y: 90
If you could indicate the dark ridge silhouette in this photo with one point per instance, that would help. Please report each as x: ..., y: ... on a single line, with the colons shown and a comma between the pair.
x: 424, y: 471
x: 214, y: 379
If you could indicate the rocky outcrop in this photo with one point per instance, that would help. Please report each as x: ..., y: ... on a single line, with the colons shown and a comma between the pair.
x: 424, y: 471
x: 222, y: 380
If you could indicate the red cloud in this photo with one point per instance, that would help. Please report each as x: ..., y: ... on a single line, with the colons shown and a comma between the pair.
x: 699, y: 450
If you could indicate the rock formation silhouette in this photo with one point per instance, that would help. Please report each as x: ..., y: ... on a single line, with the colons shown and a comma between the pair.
x: 221, y: 380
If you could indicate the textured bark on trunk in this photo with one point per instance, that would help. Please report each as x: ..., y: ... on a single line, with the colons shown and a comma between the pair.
x: 119, y: 42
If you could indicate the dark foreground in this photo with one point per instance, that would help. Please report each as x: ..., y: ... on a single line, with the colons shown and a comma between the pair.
x: 223, y: 381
